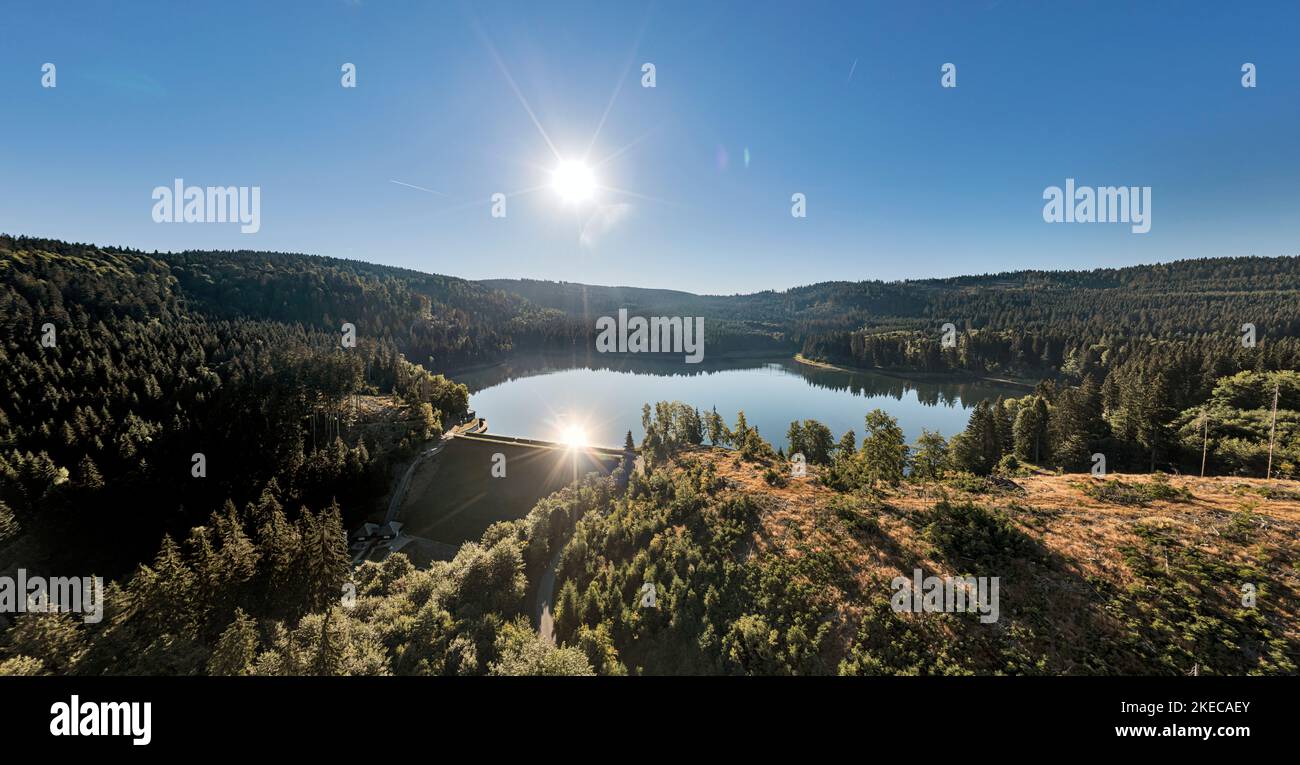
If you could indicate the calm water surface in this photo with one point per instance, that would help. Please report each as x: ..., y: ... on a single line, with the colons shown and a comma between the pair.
x: 543, y: 397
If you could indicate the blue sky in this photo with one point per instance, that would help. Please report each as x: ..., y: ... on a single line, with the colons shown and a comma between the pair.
x: 903, y: 178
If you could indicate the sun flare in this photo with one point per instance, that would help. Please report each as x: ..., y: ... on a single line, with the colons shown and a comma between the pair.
x: 573, y: 181
x: 574, y: 437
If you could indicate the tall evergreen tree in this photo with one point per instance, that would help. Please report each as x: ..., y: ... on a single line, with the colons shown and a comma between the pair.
x: 980, y: 447
x: 8, y: 524
x: 717, y: 428
x: 848, y: 443
x: 235, y: 650
x: 817, y: 442
x: 1002, y: 426
x: 325, y: 557
x: 742, y: 433
x: 1030, y: 430
x: 794, y: 435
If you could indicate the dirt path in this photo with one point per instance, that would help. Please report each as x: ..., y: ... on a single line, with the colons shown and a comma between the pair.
x: 545, y: 598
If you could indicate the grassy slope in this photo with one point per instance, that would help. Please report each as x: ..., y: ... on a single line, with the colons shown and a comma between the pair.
x: 1086, y: 586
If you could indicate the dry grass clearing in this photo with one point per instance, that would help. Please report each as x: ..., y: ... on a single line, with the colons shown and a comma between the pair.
x: 1121, y: 553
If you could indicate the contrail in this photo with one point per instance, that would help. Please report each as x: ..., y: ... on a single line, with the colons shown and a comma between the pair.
x: 419, y: 188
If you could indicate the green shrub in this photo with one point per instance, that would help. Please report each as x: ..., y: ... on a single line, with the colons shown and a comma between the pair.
x: 971, y: 535
x: 1241, y: 526
x: 860, y: 517
x: 1117, y: 492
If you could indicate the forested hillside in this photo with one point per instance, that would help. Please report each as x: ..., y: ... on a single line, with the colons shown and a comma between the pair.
x: 117, y: 374
x: 257, y: 591
x: 155, y: 357
x: 1183, y: 298
x: 439, y: 321
x: 192, y: 425
x: 1130, y: 362
x: 1029, y: 323
x: 750, y: 573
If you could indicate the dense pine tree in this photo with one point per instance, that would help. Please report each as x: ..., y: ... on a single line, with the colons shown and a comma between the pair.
x: 1030, y: 431
x: 980, y: 446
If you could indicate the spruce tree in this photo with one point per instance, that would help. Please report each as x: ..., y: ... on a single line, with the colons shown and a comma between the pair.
x: 325, y: 557
x: 741, y: 434
x: 979, y: 449
x: 795, y: 436
x: 8, y: 523
x: 1030, y: 430
x: 817, y: 442
x: 848, y: 443
x: 88, y: 477
x: 235, y: 650
x: 717, y: 428
x: 1071, y: 447
x: 1002, y: 427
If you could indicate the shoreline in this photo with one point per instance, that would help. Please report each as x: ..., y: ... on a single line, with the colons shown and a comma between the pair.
x: 570, y: 356
x: 798, y: 358
x: 910, y: 375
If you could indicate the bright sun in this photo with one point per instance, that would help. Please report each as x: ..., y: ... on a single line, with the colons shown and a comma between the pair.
x: 574, y: 436
x: 573, y: 181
